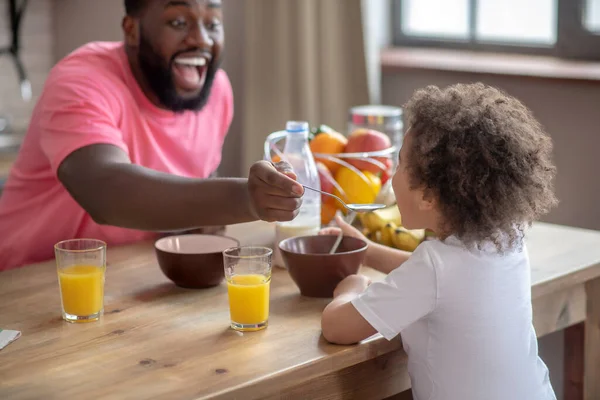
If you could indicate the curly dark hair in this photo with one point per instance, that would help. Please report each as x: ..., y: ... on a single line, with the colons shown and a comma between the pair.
x: 485, y: 159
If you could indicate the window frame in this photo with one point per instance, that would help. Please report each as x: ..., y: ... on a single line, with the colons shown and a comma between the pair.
x: 573, y: 40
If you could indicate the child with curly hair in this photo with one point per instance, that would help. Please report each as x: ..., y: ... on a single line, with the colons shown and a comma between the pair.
x: 476, y: 169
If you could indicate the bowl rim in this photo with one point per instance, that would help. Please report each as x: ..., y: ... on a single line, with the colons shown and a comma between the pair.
x: 166, y: 238
x: 363, y: 248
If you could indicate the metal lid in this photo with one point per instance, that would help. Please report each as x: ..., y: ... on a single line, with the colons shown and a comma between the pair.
x: 375, y: 115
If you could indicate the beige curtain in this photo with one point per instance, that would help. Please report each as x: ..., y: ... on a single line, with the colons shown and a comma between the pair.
x: 303, y: 60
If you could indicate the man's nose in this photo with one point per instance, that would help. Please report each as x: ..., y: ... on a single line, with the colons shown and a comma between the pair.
x: 199, y: 37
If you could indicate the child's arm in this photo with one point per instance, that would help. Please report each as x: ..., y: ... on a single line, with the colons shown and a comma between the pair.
x: 341, y: 322
x: 382, y: 258
x: 360, y: 310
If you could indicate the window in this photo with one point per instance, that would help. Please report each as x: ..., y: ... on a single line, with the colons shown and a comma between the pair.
x: 592, y: 16
x: 568, y: 28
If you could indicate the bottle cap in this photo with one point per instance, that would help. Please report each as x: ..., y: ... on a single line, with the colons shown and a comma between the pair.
x: 296, y: 127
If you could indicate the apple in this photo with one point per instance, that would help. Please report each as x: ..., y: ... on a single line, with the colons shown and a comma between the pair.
x: 364, y: 141
x: 326, y: 180
x: 387, y: 173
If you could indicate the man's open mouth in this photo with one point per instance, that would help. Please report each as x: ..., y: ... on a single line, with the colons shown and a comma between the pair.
x: 190, y: 72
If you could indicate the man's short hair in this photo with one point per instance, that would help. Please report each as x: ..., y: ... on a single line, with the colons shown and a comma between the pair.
x: 134, y: 7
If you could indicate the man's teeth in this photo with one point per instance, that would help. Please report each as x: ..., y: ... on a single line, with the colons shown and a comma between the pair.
x: 193, y: 61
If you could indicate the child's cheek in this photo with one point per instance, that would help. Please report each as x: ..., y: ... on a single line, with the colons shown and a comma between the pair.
x: 398, y: 186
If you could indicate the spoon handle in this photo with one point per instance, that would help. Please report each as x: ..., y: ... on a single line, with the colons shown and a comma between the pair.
x: 338, y: 240
x: 328, y: 194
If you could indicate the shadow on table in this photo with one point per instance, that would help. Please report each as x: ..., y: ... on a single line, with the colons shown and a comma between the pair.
x: 296, y: 304
x: 161, y: 291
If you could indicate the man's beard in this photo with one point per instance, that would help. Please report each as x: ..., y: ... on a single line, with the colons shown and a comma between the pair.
x: 160, y: 79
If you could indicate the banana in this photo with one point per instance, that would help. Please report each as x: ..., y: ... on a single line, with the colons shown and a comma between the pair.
x: 377, y: 236
x: 374, y: 236
x: 406, y: 240
x: 387, y: 234
x: 419, y: 234
x: 377, y: 220
x: 429, y: 234
x: 365, y: 221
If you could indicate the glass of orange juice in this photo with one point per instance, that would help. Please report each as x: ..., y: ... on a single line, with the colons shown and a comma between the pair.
x: 248, y: 274
x: 81, y: 265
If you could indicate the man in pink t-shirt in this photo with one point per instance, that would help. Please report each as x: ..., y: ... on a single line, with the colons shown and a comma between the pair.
x: 125, y: 137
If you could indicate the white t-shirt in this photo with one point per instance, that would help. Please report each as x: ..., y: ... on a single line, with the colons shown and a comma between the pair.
x: 466, y: 323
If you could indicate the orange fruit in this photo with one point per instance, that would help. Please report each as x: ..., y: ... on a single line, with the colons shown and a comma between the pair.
x: 327, y: 212
x: 328, y: 143
x: 357, y: 190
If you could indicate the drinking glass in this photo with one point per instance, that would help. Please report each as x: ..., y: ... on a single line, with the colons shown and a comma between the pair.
x: 248, y: 274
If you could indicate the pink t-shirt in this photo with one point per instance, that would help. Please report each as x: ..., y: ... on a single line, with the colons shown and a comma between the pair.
x: 92, y: 97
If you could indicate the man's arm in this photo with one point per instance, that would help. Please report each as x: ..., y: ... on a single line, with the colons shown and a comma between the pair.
x: 102, y: 179
x: 204, y: 230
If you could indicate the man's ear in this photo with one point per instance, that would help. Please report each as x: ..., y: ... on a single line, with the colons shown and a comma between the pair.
x: 131, y: 30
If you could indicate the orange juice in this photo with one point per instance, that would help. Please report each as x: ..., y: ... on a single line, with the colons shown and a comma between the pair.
x: 82, y: 289
x: 249, y: 299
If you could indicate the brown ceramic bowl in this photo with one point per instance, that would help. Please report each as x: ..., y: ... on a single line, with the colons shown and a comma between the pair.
x: 193, y: 261
x: 313, y: 269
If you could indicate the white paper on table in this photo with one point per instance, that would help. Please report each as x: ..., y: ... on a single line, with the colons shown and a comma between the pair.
x: 7, y: 337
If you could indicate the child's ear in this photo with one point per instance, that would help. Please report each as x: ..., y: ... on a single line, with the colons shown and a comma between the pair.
x: 427, y: 201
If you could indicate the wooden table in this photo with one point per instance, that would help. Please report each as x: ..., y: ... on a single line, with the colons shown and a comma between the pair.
x: 159, y: 341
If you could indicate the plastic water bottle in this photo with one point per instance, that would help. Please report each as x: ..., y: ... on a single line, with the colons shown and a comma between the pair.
x: 298, y: 154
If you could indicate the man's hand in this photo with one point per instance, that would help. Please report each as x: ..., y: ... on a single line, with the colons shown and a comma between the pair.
x: 353, y: 284
x: 274, y: 193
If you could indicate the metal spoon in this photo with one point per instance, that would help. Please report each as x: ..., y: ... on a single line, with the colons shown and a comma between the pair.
x: 352, y: 207
x: 338, y: 240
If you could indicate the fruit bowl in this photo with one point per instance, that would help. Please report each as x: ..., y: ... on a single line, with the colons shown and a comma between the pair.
x: 355, y: 177
x: 352, y: 176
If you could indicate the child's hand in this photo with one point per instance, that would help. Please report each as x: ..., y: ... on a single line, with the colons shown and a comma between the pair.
x: 352, y: 284
x: 348, y: 229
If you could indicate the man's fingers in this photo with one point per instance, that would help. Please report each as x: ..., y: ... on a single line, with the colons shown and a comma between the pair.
x: 266, y: 172
x: 270, y: 190
x: 282, y: 203
x: 272, y: 215
x: 285, y: 168
x: 276, y: 202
